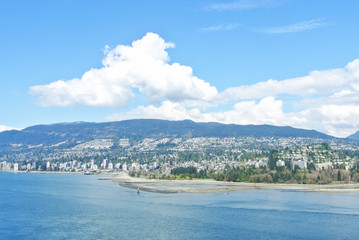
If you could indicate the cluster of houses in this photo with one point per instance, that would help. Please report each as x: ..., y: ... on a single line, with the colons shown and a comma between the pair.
x: 236, y: 153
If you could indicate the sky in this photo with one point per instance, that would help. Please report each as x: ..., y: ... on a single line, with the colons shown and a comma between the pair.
x: 278, y: 62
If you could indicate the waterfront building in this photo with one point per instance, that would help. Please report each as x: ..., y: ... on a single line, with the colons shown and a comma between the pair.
x: 105, y: 163
x: 110, y: 166
x: 16, y: 167
x: 118, y: 165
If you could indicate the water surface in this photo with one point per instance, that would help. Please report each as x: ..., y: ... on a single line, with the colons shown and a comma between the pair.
x: 73, y: 206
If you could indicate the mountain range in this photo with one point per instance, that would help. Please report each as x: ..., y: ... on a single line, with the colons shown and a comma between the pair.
x: 137, y: 129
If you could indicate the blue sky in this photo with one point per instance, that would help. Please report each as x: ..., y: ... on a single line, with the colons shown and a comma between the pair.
x: 285, y: 62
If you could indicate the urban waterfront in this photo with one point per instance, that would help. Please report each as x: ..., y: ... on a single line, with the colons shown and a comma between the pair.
x: 75, y: 206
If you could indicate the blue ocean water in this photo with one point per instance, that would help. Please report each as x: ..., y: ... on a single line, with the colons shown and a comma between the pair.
x: 73, y: 206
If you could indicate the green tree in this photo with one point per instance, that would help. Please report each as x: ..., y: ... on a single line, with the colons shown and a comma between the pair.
x: 339, y: 176
x: 273, y: 158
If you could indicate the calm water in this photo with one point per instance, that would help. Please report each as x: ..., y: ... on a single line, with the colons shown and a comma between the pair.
x: 65, y: 206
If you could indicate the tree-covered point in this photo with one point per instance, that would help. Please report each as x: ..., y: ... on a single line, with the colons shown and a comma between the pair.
x: 184, y: 170
x: 287, y: 175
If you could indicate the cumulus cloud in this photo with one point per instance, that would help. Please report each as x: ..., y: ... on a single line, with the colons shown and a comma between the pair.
x: 327, y: 100
x: 168, y: 110
x: 267, y: 111
x: 336, y: 120
x: 144, y: 66
x: 316, y: 82
x: 339, y: 120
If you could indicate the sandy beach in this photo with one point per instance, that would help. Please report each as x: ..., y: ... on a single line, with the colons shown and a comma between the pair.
x: 212, y: 186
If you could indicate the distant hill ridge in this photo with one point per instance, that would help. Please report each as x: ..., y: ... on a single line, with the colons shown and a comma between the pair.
x: 145, y: 128
x: 354, y: 136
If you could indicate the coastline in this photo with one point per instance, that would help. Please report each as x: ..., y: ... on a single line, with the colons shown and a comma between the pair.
x: 207, y: 185
x: 212, y: 186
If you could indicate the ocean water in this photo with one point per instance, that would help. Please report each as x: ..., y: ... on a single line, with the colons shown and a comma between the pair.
x: 73, y: 206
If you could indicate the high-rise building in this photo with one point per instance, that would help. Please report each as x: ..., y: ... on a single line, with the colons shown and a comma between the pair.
x: 16, y: 167
x: 105, y: 163
x: 48, y: 165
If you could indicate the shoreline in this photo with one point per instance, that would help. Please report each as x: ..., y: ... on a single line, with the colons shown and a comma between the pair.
x: 212, y: 186
x: 207, y: 185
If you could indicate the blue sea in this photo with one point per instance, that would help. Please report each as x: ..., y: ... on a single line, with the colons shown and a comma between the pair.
x: 74, y: 206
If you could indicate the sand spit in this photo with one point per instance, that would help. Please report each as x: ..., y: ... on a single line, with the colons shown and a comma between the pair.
x: 212, y: 186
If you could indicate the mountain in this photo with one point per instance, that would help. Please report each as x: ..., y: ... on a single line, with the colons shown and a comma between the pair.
x: 72, y: 133
x: 354, y: 136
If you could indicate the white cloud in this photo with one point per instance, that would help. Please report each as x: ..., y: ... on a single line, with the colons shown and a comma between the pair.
x: 339, y: 120
x: 266, y: 111
x: 144, y: 65
x: 6, y: 128
x: 298, y: 27
x: 336, y: 120
x: 316, y: 82
x: 222, y: 27
x: 327, y: 99
x: 168, y: 110
x: 344, y: 97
